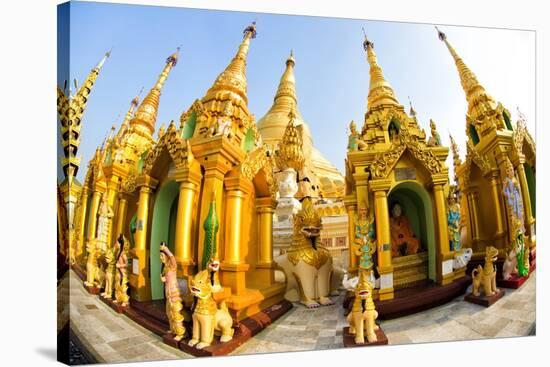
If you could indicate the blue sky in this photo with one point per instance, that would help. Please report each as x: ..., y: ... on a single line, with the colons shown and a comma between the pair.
x: 332, y: 73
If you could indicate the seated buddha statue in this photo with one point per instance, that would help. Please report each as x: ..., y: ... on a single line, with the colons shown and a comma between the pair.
x: 403, y: 239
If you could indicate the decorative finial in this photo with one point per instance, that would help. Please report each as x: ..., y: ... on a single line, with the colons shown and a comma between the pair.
x: 290, y: 59
x: 412, y: 112
x: 108, y: 53
x: 174, y: 57
x: 251, y: 29
x: 366, y: 42
x: 440, y: 34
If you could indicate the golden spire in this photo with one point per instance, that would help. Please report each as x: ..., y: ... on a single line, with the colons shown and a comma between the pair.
x: 290, y: 153
x: 146, y: 114
x: 70, y: 111
x: 456, y: 157
x: 380, y: 91
x: 412, y: 111
x: 286, y: 98
x: 233, y: 78
x: 124, y: 127
x: 479, y: 101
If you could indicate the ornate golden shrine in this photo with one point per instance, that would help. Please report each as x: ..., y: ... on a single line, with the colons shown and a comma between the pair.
x: 492, y: 143
x: 160, y: 190
x: 390, y: 161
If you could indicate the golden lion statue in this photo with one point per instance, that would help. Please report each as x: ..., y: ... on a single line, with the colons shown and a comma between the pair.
x: 363, y: 315
x: 207, y: 317
x: 486, y: 277
x: 306, y: 263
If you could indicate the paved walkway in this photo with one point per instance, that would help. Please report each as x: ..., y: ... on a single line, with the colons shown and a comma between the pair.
x: 114, y: 338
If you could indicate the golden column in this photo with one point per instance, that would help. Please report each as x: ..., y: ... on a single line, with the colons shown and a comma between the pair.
x: 121, y: 214
x: 265, y: 207
x: 351, y: 209
x: 233, y: 265
x: 472, y: 205
x: 142, y: 286
x: 382, y: 217
x: 81, y: 225
x: 444, y: 254
x: 496, y: 193
x: 189, y: 179
x: 92, y: 224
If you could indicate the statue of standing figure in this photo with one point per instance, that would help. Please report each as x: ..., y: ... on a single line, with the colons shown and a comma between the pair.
x: 514, y: 204
x: 453, y: 222
x: 105, y: 215
x: 110, y: 260
x: 354, y: 139
x: 435, y: 139
x: 92, y: 270
x: 365, y: 240
x: 121, y: 277
x: 174, y: 304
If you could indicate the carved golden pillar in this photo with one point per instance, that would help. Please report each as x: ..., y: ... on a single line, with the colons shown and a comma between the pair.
x: 474, y: 223
x: 233, y: 265
x: 81, y: 225
x: 146, y: 185
x: 351, y: 209
x: 92, y: 224
x: 500, y: 215
x: 382, y: 218
x: 444, y: 254
x: 189, y: 179
x: 120, y: 215
x: 265, y: 207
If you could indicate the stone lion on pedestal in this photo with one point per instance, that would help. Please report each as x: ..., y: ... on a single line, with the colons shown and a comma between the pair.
x: 306, y: 263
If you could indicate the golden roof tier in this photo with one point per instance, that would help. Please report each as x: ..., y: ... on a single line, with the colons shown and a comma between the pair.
x: 290, y: 153
x: 272, y: 129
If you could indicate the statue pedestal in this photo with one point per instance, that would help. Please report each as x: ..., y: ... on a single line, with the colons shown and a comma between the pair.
x: 92, y: 289
x: 349, y: 339
x: 514, y: 282
x: 168, y: 339
x: 117, y: 307
x: 484, y: 300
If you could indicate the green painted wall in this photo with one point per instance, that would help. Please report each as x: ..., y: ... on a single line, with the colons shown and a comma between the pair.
x: 532, y: 185
x: 163, y: 218
x: 418, y: 207
x: 473, y: 134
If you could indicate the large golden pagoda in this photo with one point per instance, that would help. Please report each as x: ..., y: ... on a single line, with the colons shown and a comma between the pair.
x: 389, y: 165
x: 493, y: 145
x: 272, y: 128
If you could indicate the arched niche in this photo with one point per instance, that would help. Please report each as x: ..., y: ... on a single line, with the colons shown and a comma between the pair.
x: 163, y: 227
x: 417, y: 206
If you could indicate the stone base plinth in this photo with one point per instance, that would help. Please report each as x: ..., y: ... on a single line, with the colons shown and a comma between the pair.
x: 484, y: 300
x: 349, y: 339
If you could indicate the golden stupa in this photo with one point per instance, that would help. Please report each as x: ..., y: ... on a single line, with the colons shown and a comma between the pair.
x: 272, y: 128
